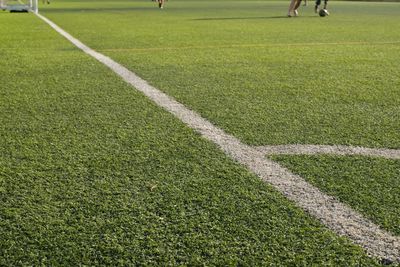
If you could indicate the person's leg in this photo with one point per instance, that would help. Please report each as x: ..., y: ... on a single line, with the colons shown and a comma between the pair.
x: 317, y: 3
x: 325, y: 4
x: 291, y: 7
x: 296, y: 6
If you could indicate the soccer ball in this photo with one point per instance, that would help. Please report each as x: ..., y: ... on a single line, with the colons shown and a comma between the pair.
x: 323, y: 13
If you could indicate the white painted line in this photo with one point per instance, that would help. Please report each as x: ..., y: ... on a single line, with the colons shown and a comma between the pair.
x: 334, y: 150
x: 337, y: 216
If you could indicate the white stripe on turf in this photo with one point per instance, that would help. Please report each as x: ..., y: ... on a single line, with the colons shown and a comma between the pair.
x: 337, y: 216
x: 334, y: 150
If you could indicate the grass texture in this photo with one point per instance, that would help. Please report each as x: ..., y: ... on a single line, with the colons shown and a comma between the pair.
x: 369, y: 185
x: 93, y: 173
x: 260, y: 76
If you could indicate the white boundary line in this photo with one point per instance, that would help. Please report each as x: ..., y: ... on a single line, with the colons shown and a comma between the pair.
x: 337, y: 216
x: 334, y: 150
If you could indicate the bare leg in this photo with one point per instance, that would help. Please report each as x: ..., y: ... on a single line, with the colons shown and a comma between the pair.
x: 296, y: 6
x: 291, y: 7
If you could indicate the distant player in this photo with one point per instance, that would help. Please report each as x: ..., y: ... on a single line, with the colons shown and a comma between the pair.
x: 3, y: 5
x: 294, y: 5
x: 161, y: 3
x: 318, y: 3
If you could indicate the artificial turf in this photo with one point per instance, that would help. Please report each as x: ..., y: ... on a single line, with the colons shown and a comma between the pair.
x: 93, y: 173
x: 369, y: 185
x: 260, y: 76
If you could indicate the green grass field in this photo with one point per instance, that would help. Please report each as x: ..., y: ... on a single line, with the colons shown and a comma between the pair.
x: 370, y: 185
x: 267, y: 79
x: 94, y: 173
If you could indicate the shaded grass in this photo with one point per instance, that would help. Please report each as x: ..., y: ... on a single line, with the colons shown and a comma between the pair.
x: 93, y: 173
x: 369, y: 185
x: 264, y: 78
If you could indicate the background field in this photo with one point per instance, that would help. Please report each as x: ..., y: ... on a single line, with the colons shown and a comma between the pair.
x: 92, y: 172
x: 262, y: 77
x: 265, y: 78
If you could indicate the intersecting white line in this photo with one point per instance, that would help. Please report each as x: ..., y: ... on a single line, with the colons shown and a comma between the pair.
x: 334, y: 150
x: 334, y: 214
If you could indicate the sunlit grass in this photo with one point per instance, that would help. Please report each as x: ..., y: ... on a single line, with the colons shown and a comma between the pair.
x: 260, y: 76
x: 369, y: 185
x: 93, y: 173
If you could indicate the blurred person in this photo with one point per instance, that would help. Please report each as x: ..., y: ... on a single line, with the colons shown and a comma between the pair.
x: 161, y: 3
x: 318, y: 3
x: 3, y: 4
x: 294, y: 5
